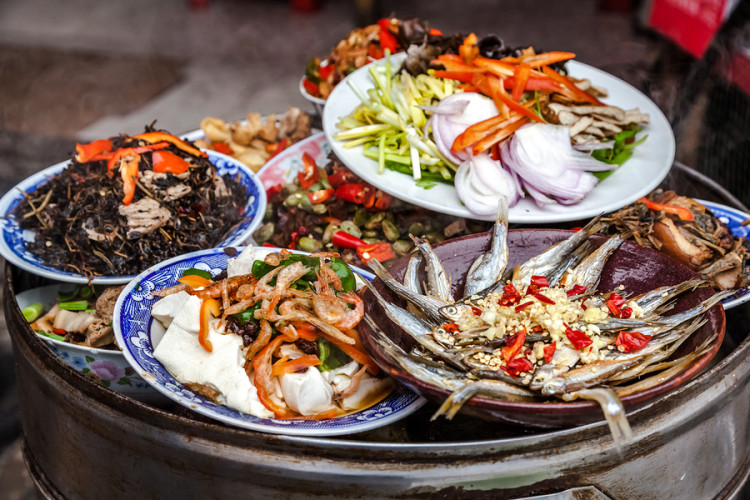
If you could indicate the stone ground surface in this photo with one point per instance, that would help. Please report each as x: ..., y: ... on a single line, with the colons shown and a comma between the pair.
x: 85, y: 69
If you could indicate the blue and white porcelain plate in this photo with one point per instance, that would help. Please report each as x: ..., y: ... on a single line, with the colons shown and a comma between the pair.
x: 13, y: 238
x: 734, y: 219
x: 132, y: 323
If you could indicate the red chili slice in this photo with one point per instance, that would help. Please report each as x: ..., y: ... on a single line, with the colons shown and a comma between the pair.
x: 523, y: 306
x: 549, y: 351
x: 513, y: 345
x: 579, y: 339
x: 309, y: 174
x: 517, y: 365
x: 543, y: 298
x: 576, y: 290
x: 631, y: 341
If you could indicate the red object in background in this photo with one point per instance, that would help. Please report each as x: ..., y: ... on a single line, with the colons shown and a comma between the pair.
x: 306, y: 5
x: 738, y: 69
x: 691, y: 24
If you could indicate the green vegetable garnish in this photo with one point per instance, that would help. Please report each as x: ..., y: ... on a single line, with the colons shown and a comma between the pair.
x: 331, y: 357
x: 52, y: 336
x: 74, y: 305
x: 248, y: 314
x: 621, y: 152
x: 33, y: 311
x: 342, y: 270
x: 65, y: 295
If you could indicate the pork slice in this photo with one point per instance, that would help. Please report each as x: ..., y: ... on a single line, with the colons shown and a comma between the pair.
x: 144, y: 217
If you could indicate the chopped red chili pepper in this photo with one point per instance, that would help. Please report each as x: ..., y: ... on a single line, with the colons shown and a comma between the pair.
x: 309, y: 174
x: 310, y: 87
x: 341, y: 176
x: 223, y: 148
x: 576, y: 290
x: 359, y: 192
x: 129, y: 172
x: 387, y: 40
x: 326, y: 71
x: 85, y: 152
x: 450, y: 327
x: 510, y: 296
x: 630, y: 341
x: 476, y: 311
x: 435, y: 32
x: 613, y: 309
x: 379, y: 251
x: 521, y: 307
x: 614, y: 304
x: 59, y: 331
x: 517, y: 365
x: 382, y: 201
x: 549, y: 351
x: 154, y: 137
x: 540, y: 281
x: 577, y: 338
x: 320, y: 196
x: 271, y: 192
x: 165, y: 161
x: 543, y: 298
x: 278, y: 147
x: 682, y: 213
x: 345, y: 240
x: 513, y: 345
x: 627, y: 312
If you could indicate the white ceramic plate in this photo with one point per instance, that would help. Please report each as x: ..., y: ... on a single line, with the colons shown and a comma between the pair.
x: 636, y: 178
x: 732, y: 218
x: 136, y: 331
x: 13, y: 238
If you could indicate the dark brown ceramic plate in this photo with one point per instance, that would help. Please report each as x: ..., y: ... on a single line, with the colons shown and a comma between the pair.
x: 638, y: 269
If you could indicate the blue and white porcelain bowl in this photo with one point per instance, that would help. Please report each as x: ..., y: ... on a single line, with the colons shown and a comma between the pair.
x: 13, y: 238
x: 137, y: 334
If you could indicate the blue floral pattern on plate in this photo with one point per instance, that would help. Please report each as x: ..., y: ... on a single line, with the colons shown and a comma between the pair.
x: 13, y: 238
x: 734, y: 219
x: 132, y: 323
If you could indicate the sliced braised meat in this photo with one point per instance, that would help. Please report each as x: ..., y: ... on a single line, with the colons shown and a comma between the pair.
x: 144, y: 216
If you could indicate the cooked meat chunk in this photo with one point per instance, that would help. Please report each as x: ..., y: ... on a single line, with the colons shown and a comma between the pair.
x: 144, y: 216
x: 105, y: 303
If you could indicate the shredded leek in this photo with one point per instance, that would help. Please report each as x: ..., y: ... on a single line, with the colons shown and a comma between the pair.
x: 390, y: 122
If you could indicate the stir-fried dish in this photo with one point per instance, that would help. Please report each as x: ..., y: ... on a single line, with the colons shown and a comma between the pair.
x: 330, y: 208
x: 361, y: 46
x: 81, y: 316
x: 257, y: 139
x: 276, y: 338
x: 128, y: 202
x: 543, y: 329
x: 687, y: 231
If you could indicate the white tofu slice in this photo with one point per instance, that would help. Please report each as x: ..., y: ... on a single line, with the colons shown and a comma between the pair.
x: 164, y: 309
x: 307, y: 393
x: 243, y: 263
x: 188, y: 317
x: 222, y: 369
x: 368, y: 389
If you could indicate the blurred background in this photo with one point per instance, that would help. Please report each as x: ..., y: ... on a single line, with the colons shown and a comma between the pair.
x: 83, y: 69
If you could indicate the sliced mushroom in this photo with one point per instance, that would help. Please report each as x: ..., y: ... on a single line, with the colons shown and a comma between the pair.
x: 677, y: 246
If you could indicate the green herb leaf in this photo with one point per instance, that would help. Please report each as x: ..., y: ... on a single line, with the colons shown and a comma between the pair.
x: 331, y: 357
x: 620, y: 152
